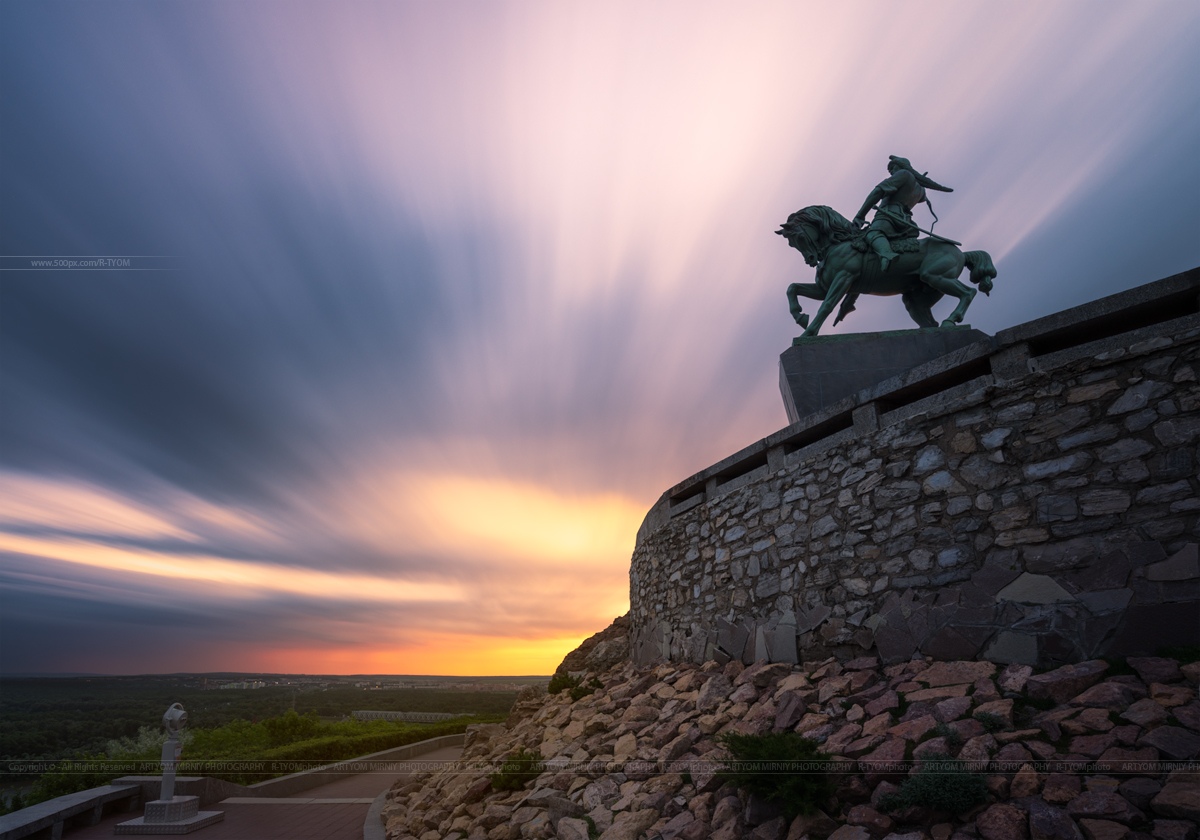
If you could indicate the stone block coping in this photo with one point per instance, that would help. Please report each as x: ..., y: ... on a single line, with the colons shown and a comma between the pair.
x: 54, y: 813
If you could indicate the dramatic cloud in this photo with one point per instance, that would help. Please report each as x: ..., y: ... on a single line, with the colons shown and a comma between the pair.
x: 427, y: 303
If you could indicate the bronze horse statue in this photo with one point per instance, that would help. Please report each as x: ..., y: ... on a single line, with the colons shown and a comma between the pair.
x: 924, y: 270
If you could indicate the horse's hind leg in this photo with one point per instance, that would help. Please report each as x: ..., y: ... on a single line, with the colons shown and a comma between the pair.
x: 919, y: 303
x: 965, y: 295
x: 940, y: 273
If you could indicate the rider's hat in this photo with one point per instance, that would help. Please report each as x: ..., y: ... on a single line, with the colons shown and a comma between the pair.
x: 922, y: 177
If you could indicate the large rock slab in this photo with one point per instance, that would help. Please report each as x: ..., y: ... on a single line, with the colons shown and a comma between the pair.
x: 1063, y: 683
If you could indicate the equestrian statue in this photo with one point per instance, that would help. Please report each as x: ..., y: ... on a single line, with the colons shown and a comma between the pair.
x: 884, y: 258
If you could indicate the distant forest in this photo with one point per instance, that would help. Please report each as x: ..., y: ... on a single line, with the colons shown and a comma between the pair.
x: 63, y: 717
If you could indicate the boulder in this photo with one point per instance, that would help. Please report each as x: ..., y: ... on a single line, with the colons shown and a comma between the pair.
x: 1049, y: 823
x: 1174, y: 830
x: 1173, y: 742
x: 1104, y: 805
x: 629, y: 825
x: 1063, y: 683
x: 1178, y: 800
x: 1104, y: 830
x: 1003, y: 822
x: 1155, y: 669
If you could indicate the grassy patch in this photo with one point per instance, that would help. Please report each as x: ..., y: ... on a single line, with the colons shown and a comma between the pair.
x: 278, y: 745
x: 783, y: 768
x: 953, y: 739
x: 575, y: 685
x: 942, y: 784
x: 991, y: 722
x: 518, y: 769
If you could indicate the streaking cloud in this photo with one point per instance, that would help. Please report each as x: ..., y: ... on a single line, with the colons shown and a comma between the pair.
x: 458, y: 289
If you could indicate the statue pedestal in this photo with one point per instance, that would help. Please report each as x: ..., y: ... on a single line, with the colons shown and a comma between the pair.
x: 178, y: 815
x: 815, y: 373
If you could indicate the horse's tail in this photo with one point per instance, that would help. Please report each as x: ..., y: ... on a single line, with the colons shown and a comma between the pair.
x: 983, y: 271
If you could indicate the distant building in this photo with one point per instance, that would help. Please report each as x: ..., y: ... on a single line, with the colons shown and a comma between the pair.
x: 406, y: 717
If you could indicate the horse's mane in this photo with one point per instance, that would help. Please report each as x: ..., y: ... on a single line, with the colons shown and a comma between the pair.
x: 833, y: 224
x: 828, y: 227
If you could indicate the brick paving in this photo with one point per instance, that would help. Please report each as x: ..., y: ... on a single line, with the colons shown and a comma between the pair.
x: 334, y: 811
x: 371, y: 785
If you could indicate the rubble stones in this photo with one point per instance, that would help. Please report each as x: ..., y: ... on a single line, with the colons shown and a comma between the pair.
x: 659, y: 777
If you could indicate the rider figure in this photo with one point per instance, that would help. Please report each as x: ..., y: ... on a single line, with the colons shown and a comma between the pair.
x: 897, y: 196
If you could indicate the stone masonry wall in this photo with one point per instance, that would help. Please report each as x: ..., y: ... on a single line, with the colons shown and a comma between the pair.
x: 1039, y: 506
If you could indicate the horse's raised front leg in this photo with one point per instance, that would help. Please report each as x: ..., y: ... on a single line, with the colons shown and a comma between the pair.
x: 837, y: 290
x: 808, y: 290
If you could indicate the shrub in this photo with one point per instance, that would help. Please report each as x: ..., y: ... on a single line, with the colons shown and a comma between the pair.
x: 991, y: 722
x: 576, y: 685
x: 70, y: 776
x: 291, y: 727
x: 941, y: 784
x: 562, y: 682
x: 951, y: 735
x: 585, y: 689
x: 783, y: 768
x: 147, y: 744
x: 326, y: 749
x: 518, y: 769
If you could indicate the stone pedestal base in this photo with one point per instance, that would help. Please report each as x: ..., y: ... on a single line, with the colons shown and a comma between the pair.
x: 181, y: 815
x: 814, y: 373
x: 172, y: 810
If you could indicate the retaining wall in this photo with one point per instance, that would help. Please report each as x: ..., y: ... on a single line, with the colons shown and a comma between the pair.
x: 1030, y: 498
x: 212, y: 790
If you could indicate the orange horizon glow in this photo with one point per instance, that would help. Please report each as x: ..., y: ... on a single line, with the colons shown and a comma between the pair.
x: 534, y: 538
x: 469, y: 657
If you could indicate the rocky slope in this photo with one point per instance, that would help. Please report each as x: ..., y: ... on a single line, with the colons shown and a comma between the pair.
x: 1078, y: 752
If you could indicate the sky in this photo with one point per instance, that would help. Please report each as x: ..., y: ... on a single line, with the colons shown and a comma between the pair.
x: 427, y: 303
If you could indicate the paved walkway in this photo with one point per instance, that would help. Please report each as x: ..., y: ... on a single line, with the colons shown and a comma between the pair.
x: 334, y: 811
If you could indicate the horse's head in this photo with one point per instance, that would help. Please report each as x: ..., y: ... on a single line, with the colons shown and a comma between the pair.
x: 804, y: 236
x: 814, y: 229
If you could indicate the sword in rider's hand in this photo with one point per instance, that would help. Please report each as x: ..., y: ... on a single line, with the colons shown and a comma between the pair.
x: 878, y: 209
